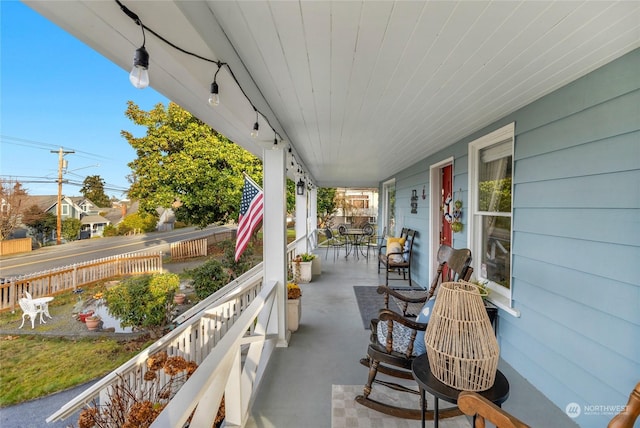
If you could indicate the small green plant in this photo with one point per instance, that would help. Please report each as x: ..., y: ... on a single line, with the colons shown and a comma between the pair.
x: 144, y: 301
x: 306, y: 257
x: 209, y: 278
x: 483, y: 287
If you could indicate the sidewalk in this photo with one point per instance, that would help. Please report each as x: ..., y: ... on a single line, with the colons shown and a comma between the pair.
x: 33, y: 414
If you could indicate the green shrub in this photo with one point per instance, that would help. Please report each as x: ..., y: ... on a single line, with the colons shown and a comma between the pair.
x: 110, y: 230
x: 144, y: 301
x: 244, y: 263
x: 208, y: 278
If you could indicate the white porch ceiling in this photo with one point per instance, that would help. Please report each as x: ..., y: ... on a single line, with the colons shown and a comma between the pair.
x: 360, y: 89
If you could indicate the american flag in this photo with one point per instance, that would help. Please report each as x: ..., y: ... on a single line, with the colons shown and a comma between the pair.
x: 251, y: 211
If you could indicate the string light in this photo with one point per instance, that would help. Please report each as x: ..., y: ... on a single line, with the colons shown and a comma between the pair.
x: 254, y: 131
x: 214, y: 98
x: 139, y: 76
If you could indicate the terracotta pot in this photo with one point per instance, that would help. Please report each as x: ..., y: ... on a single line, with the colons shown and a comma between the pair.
x: 179, y: 298
x: 93, y: 322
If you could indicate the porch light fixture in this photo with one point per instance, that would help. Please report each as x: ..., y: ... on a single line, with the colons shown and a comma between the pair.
x: 300, y: 187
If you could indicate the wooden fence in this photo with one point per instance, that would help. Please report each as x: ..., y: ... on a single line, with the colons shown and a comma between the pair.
x: 59, y: 280
x: 198, y: 247
x: 13, y: 246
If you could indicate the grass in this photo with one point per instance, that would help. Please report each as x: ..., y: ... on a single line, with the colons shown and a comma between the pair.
x: 35, y: 366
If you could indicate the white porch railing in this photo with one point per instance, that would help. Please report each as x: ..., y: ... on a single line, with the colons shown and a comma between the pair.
x: 230, y: 335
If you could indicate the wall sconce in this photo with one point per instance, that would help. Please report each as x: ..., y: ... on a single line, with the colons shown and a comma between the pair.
x: 414, y: 201
x: 300, y: 187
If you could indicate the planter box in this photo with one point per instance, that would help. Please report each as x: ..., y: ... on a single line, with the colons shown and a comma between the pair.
x: 294, y: 312
x: 302, y: 271
x: 316, y: 266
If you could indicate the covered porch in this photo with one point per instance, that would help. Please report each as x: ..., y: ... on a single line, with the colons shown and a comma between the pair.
x: 325, y: 352
x: 387, y: 95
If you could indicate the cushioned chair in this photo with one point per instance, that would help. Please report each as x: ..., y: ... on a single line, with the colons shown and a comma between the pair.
x: 393, y: 346
x: 396, y: 339
x: 453, y: 265
x: 398, y: 256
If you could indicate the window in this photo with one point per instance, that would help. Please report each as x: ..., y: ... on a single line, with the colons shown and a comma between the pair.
x: 65, y: 209
x: 490, y: 196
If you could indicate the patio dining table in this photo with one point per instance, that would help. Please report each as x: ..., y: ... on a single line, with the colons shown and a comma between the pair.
x: 355, y: 242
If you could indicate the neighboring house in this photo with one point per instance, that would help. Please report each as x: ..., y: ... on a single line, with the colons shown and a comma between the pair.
x: 358, y: 206
x: 76, y: 207
x: 166, y: 219
x: 93, y: 226
x: 565, y: 244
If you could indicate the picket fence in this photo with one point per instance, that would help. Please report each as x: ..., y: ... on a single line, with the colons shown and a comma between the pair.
x: 198, y: 247
x: 59, y: 280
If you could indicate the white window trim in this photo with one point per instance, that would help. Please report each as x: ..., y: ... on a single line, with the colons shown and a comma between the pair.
x: 499, y: 296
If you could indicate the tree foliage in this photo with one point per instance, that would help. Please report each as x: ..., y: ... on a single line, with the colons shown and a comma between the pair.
x: 184, y: 164
x: 137, y: 223
x: 12, y: 197
x: 93, y: 189
x: 41, y: 223
x: 71, y: 228
x: 327, y: 204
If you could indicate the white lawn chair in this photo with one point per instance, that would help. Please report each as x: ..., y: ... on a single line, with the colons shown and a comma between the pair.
x: 31, y: 310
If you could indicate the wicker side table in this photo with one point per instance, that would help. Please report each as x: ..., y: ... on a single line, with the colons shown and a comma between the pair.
x: 497, y: 394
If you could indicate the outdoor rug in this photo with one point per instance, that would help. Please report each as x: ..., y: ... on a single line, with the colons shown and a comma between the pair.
x: 346, y: 413
x: 369, y: 303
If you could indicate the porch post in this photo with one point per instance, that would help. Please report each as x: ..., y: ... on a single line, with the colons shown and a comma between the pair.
x: 275, y: 232
x: 301, y: 221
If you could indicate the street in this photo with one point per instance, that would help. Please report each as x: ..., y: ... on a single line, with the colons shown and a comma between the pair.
x: 90, y: 249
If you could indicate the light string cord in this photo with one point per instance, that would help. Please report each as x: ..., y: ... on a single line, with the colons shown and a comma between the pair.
x: 220, y: 64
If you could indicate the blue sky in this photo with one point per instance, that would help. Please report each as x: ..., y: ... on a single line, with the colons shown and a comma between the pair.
x: 57, y: 92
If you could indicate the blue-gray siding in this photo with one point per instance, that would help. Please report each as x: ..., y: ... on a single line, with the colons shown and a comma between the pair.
x: 576, y: 238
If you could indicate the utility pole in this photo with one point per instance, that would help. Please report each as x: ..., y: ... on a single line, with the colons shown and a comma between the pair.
x: 61, y: 166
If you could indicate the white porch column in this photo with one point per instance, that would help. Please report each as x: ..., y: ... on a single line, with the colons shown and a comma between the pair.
x: 301, y: 220
x: 275, y: 232
x: 312, y: 221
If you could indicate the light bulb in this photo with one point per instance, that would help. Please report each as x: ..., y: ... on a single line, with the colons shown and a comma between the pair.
x: 254, y: 131
x: 214, y: 98
x: 139, y: 76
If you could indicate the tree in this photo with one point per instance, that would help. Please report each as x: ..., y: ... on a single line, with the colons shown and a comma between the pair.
x: 93, y: 189
x: 71, y: 228
x: 327, y: 205
x: 184, y: 164
x: 12, y: 196
x: 138, y: 222
x: 40, y: 222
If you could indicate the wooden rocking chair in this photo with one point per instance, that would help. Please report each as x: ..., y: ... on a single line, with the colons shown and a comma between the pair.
x: 453, y: 265
x: 394, y: 359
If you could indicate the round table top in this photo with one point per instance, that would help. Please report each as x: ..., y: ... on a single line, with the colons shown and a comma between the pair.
x: 497, y: 394
x: 43, y: 299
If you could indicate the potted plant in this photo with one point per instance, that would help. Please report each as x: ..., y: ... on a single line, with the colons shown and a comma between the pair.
x: 93, y: 322
x: 294, y: 308
x: 302, y: 268
x: 179, y: 298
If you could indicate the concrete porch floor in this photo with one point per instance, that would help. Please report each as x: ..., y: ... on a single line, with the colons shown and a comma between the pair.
x: 296, y: 389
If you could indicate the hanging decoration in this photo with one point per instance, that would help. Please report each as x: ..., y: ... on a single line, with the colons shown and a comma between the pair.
x: 453, y: 213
